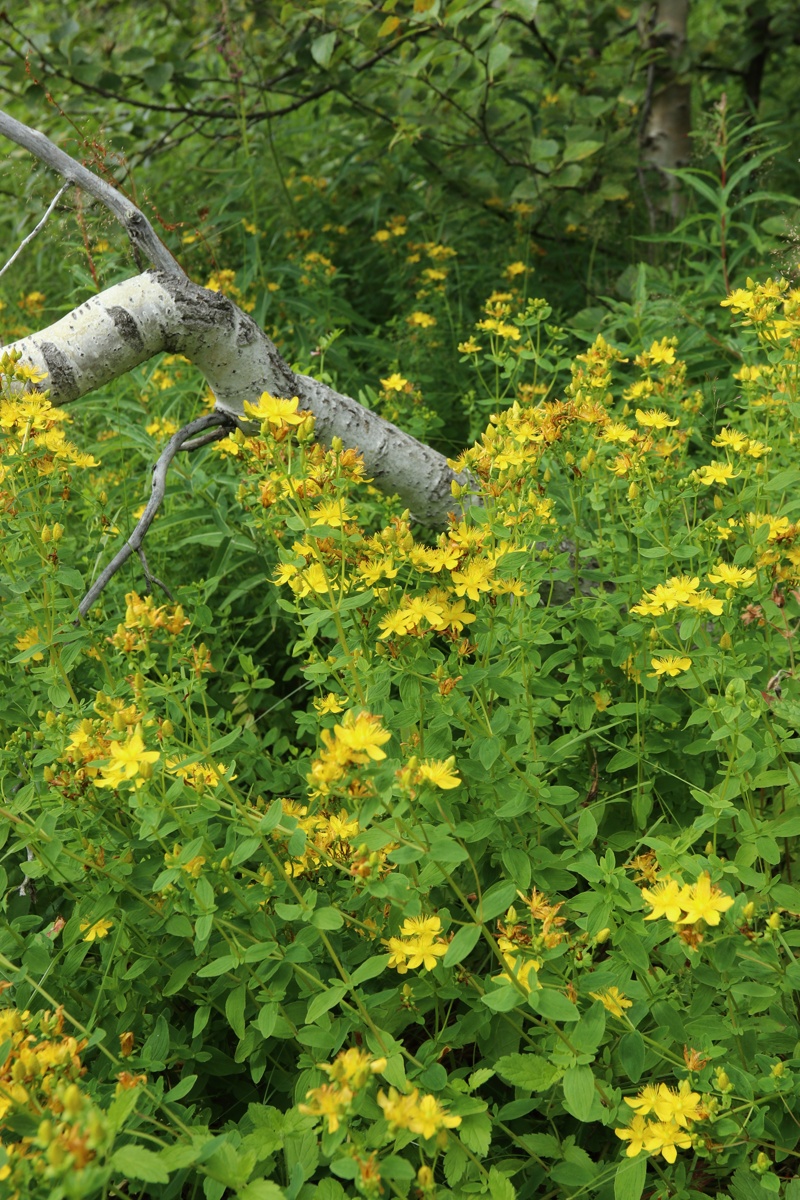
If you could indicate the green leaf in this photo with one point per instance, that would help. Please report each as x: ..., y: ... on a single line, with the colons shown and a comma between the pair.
x: 182, y: 1088
x: 502, y: 999
x: 579, y: 1092
x: 528, y: 1071
x: 261, y: 1189
x: 322, y: 49
x: 498, y: 57
x: 630, y: 1177
x: 577, y: 151
x: 496, y: 900
x: 370, y: 969
x: 500, y: 1186
x: 465, y: 939
x: 234, y: 1009
x: 631, y: 1055
x: 327, y: 918
x: 135, y: 1162
x: 326, y: 1000
x: 554, y: 1005
x: 475, y: 1131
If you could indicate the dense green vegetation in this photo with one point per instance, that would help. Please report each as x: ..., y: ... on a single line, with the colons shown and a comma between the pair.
x: 379, y: 860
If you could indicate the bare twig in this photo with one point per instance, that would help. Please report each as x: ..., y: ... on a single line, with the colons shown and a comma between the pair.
x: 27, y: 240
x: 141, y: 233
x: 134, y: 542
x: 150, y: 578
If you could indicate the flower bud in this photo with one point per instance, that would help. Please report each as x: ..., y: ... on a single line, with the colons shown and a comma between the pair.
x: 46, y: 535
x: 774, y: 921
x: 718, y: 502
x: 633, y: 491
x: 58, y: 532
x: 725, y: 641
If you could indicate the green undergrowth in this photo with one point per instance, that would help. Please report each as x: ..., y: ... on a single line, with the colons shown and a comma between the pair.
x: 387, y: 862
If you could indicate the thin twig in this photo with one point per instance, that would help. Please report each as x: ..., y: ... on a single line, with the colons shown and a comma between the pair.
x: 134, y: 542
x: 26, y: 241
x: 141, y: 233
x: 150, y: 578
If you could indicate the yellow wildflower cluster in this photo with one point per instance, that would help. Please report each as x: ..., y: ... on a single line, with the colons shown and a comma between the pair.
x: 681, y: 591
x: 676, y: 1112
x: 522, y: 946
x: 423, y: 1115
x: 225, y: 281
x: 395, y: 227
x: 30, y: 425
x: 694, y: 904
x: 144, y: 618
x: 613, y: 1001
x: 39, y: 1082
x: 128, y: 762
x: 419, y: 945
x: 349, y: 1074
x: 330, y: 841
x: 199, y: 775
x: 355, y: 743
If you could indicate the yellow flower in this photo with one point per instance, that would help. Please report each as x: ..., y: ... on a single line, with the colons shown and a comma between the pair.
x: 330, y: 704
x: 732, y: 576
x: 275, y: 410
x: 635, y: 1134
x: 618, y: 431
x: 613, y: 1001
x: 440, y: 774
x: 469, y: 347
x: 475, y: 578
x: 667, y: 1137
x: 655, y: 418
x: 95, y: 931
x: 363, y: 735
x: 717, y: 472
x: 31, y: 637
x: 665, y: 899
x: 395, y: 383
x: 703, y: 902
x: 424, y: 1116
x: 130, y: 762
x: 670, y: 664
x: 329, y: 1102
x: 662, y: 352
x: 735, y: 441
x: 421, y: 319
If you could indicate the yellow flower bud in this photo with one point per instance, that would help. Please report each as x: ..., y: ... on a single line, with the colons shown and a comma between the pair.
x: 774, y: 921
x: 633, y: 491
x: 72, y: 1100
x: 58, y: 532
x: 167, y: 728
x: 547, y: 475
x: 569, y: 458
x: 749, y: 910
x: 718, y: 502
x: 725, y: 641
x: 46, y: 535
x: 602, y: 936
x: 722, y: 1081
x: 778, y: 1070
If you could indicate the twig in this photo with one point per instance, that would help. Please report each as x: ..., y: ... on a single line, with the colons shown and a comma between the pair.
x: 26, y: 241
x: 150, y: 578
x: 177, y: 442
x: 141, y: 233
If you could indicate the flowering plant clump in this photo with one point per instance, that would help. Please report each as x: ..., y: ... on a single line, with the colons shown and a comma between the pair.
x: 409, y: 862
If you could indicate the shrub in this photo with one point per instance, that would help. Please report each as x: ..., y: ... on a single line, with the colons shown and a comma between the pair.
x: 490, y: 890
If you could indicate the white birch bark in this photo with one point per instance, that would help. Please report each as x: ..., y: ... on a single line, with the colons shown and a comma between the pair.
x: 128, y: 323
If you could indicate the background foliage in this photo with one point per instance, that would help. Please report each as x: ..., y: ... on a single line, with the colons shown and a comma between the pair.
x: 382, y: 863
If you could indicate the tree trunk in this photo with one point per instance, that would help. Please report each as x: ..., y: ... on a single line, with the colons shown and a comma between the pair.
x: 664, y: 139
